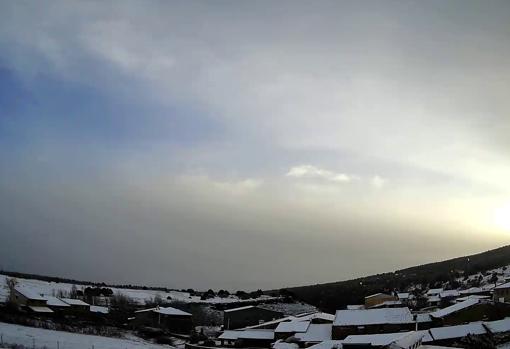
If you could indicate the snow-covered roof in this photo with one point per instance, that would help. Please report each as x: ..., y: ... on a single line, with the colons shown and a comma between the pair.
x: 403, y: 295
x: 98, y: 309
x: 459, y: 331
x: 247, y: 334
x: 29, y: 293
x: 426, y: 336
x: 315, y: 333
x: 40, y: 309
x: 380, y: 339
x: 165, y: 311
x: 373, y: 316
x: 171, y: 311
x: 239, y: 308
x: 471, y: 290
x: 423, y: 317
x: 434, y: 291
x: 292, y: 326
x: 449, y: 293
x: 376, y: 295
x: 498, y: 325
x: 471, y: 296
x: 505, y: 285
x: 386, y: 304
x: 72, y: 301
x: 55, y: 302
x: 332, y: 344
x: 433, y: 299
x: 454, y: 308
x: 384, y: 339
x: 319, y: 315
x: 272, y: 322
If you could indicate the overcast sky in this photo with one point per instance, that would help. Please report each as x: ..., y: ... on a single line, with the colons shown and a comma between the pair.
x: 251, y: 144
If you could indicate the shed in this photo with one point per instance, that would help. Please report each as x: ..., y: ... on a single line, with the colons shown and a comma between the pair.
x: 248, y: 316
x: 169, y: 318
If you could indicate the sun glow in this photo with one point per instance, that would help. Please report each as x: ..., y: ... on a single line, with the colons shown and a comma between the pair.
x: 502, y: 217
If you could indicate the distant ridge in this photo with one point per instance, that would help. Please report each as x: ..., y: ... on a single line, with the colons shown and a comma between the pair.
x: 336, y: 295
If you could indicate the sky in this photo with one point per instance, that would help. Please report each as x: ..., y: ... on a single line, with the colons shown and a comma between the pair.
x: 251, y: 144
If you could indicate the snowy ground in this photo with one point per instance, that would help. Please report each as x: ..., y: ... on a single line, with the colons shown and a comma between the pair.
x: 503, y: 275
x: 28, y: 336
x: 140, y: 296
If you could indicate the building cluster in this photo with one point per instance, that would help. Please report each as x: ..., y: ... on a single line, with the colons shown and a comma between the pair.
x: 33, y: 302
x: 383, y: 321
x: 162, y: 317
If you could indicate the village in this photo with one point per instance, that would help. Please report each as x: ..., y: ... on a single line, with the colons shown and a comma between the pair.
x: 467, y: 317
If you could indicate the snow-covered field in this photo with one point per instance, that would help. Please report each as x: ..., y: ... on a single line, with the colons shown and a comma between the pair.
x: 28, y: 336
x: 140, y: 296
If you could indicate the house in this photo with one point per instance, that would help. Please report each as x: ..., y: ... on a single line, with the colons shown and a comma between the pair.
x: 247, y: 316
x: 378, y: 298
x: 317, y: 318
x: 169, y: 318
x: 261, y: 338
x: 287, y: 329
x: 370, y: 321
x: 473, y: 296
x: 472, y: 309
x: 483, y: 291
x: 271, y: 324
x: 30, y: 300
x: 448, y: 296
x: 315, y: 333
x: 502, y: 293
x: 423, y: 321
x: 449, y: 334
x: 433, y: 300
x: 387, y: 340
x: 77, y: 306
x: 56, y: 304
x: 100, y: 310
x: 405, y: 297
x: 434, y: 291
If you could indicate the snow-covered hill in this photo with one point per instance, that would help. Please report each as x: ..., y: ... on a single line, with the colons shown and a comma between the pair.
x: 139, y: 296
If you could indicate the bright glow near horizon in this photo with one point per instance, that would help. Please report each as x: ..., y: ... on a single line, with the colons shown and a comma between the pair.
x: 502, y: 217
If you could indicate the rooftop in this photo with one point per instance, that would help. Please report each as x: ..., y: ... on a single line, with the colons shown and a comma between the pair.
x: 55, y: 302
x: 373, y: 316
x: 73, y: 301
x: 315, y: 333
x: 292, y: 326
x: 454, y: 308
x: 505, y: 285
x: 459, y: 331
x: 165, y: 311
x: 29, y: 293
x: 239, y: 308
x: 247, y: 334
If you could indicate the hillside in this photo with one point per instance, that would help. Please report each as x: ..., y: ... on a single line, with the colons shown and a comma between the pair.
x: 336, y: 295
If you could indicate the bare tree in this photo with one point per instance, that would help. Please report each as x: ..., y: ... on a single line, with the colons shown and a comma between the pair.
x: 11, y: 285
x: 74, y: 292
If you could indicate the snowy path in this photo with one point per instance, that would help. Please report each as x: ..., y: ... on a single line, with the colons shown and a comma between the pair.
x: 16, y: 334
